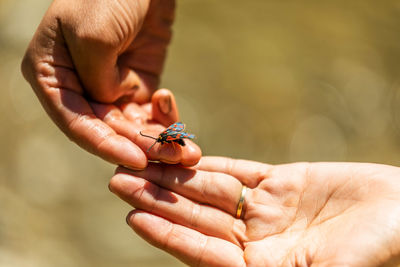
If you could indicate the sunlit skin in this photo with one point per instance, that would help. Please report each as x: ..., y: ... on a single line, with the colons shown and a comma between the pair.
x: 300, y: 214
x: 95, y: 65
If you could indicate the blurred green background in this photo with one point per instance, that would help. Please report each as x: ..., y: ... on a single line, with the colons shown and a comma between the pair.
x: 273, y: 81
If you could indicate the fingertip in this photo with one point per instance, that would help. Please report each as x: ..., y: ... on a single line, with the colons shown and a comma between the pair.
x: 191, y: 154
x: 150, y: 227
x: 120, y: 150
x: 188, y: 155
x: 170, y: 153
x: 163, y: 92
x: 118, y: 183
x: 130, y: 217
x: 134, y: 158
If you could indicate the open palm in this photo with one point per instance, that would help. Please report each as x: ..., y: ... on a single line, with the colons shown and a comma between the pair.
x: 301, y: 214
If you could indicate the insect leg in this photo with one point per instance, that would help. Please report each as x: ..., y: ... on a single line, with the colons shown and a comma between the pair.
x: 180, y: 141
x: 151, y: 146
x: 173, y: 145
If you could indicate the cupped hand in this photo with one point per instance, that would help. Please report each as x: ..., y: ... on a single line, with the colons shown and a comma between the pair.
x: 109, y: 52
x: 301, y: 214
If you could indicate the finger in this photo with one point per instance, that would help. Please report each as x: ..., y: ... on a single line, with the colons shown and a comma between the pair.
x: 164, y: 108
x: 73, y: 115
x: 216, y: 189
x: 83, y: 127
x: 188, y: 245
x: 147, y: 196
x: 248, y: 172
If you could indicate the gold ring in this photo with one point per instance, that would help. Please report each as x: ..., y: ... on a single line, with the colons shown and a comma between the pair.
x: 239, y: 208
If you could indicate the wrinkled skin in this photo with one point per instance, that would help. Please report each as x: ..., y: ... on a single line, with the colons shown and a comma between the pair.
x: 301, y: 214
x: 95, y: 65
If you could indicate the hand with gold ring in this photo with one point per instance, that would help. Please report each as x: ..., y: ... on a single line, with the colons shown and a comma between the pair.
x: 300, y: 214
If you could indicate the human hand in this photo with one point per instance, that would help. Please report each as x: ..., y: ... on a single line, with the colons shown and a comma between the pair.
x: 110, y: 52
x: 300, y: 214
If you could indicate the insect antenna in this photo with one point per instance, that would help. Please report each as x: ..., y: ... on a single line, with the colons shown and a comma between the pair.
x: 151, y: 146
x: 151, y: 138
x: 147, y: 136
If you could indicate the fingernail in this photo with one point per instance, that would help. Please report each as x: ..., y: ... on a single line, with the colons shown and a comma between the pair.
x: 127, y: 218
x: 165, y: 104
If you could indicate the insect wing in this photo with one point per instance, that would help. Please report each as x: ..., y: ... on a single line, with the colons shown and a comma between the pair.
x: 188, y: 136
x: 171, y: 136
x: 176, y: 127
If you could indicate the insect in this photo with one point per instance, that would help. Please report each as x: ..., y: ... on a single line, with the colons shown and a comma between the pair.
x: 174, y: 133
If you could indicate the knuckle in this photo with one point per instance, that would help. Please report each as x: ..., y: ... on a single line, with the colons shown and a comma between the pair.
x: 203, y: 185
x: 202, y: 248
x: 166, y: 240
x: 230, y: 165
x: 194, y: 215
